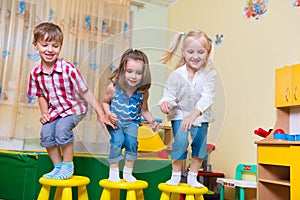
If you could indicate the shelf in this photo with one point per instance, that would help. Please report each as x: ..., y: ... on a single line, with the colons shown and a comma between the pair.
x: 279, y: 182
x: 273, y: 191
x: 275, y: 142
x: 273, y: 181
x: 274, y: 173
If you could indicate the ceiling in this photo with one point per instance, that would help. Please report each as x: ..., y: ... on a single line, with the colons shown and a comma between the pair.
x: 165, y: 3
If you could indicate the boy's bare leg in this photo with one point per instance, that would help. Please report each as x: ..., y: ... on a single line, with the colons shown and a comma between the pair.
x: 68, y: 152
x: 67, y: 168
x: 56, y: 158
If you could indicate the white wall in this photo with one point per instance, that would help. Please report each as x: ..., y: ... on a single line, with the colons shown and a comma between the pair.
x: 149, y: 34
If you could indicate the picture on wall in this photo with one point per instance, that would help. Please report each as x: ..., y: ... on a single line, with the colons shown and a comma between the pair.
x: 255, y: 8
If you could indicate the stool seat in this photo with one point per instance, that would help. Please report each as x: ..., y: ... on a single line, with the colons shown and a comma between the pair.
x: 64, y: 187
x: 111, y: 190
x: 183, y: 188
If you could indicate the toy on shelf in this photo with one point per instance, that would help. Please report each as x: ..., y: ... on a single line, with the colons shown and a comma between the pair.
x: 263, y: 133
x: 279, y: 134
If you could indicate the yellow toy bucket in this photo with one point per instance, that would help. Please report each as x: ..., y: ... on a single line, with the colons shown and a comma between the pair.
x: 148, y: 140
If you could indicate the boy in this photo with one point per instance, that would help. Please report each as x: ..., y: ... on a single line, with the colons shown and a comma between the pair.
x: 63, y: 97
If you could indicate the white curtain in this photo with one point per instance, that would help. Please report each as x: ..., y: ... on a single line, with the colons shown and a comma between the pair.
x: 96, y: 33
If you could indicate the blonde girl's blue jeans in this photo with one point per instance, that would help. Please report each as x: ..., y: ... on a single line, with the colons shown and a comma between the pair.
x: 180, y: 144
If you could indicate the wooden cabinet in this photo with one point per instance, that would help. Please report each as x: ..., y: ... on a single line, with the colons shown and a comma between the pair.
x: 279, y: 161
x: 278, y: 170
x: 287, y: 86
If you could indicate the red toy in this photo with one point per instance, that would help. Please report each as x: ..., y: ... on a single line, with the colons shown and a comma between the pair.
x: 263, y: 133
x: 280, y: 131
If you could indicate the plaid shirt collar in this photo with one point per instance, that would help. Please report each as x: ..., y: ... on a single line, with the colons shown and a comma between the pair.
x: 57, y: 67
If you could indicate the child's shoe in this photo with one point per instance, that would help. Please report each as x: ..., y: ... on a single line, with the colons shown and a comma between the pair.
x: 114, y: 174
x: 127, y: 175
x: 192, y: 180
x: 175, y: 178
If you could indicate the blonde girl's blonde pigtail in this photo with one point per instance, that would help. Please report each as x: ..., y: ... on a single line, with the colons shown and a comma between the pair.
x: 211, y: 52
x: 172, y: 48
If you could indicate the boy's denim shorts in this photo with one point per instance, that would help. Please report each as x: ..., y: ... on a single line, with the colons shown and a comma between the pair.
x: 180, y: 143
x: 59, y: 132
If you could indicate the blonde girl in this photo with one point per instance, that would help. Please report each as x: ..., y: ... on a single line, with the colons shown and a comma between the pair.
x: 188, y: 96
x: 125, y: 102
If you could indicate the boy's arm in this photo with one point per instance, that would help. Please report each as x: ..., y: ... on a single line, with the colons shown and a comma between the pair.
x: 43, y: 104
x: 147, y: 114
x: 91, y: 99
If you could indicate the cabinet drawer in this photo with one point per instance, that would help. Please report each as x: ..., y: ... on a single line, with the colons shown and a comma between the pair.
x: 274, y: 154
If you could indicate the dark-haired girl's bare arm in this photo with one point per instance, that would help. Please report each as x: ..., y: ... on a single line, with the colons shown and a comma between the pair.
x: 147, y: 114
x: 112, y: 117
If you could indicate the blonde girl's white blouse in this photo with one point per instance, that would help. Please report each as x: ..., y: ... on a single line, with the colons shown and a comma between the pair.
x: 185, y: 94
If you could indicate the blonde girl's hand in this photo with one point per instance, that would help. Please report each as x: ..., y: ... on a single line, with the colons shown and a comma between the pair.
x: 187, y: 121
x: 165, y: 107
x: 45, y: 118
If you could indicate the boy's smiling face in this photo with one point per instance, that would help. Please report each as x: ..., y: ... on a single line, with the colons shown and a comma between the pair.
x: 49, y: 51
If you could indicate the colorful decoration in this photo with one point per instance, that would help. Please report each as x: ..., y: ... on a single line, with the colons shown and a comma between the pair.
x: 296, y: 3
x: 51, y: 15
x: 37, y: 20
x: 255, y: 8
x: 112, y: 68
x: 33, y: 57
x: 103, y: 26
x: 22, y: 8
x: 125, y: 29
x: 219, y: 39
x: 87, y: 22
x: 5, y: 54
x: 94, y: 66
x: 30, y: 99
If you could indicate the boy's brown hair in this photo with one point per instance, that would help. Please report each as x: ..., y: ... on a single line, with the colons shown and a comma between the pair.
x: 47, y: 31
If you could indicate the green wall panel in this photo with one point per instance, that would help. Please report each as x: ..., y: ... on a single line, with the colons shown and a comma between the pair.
x: 20, y: 172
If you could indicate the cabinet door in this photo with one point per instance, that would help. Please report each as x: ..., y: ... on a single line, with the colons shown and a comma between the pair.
x: 283, y: 86
x: 296, y: 85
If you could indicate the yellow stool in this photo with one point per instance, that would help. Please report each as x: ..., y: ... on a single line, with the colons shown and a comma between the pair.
x: 111, y: 190
x: 64, y: 188
x: 183, y: 188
